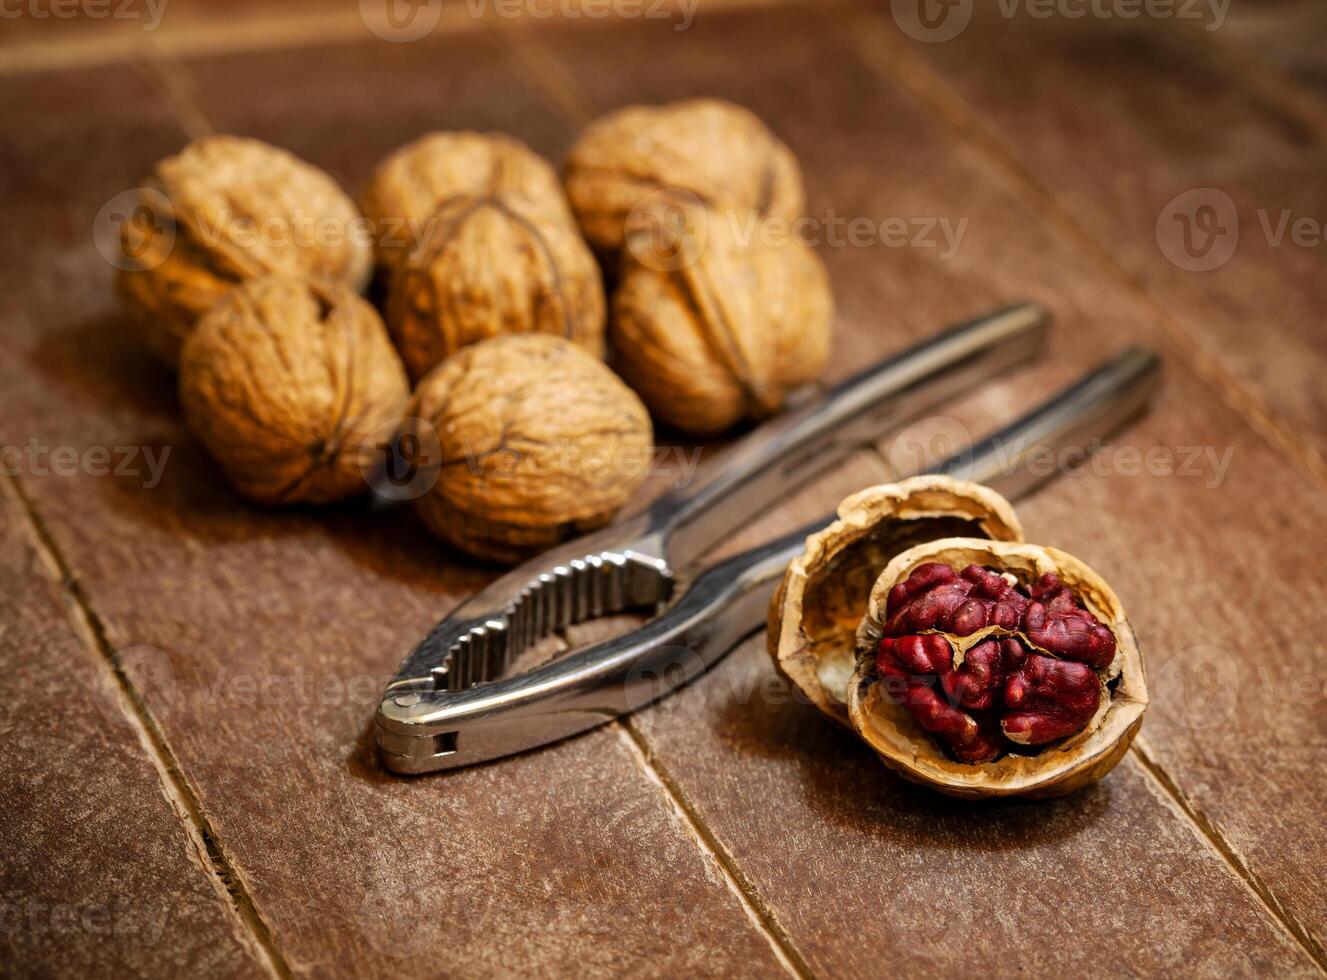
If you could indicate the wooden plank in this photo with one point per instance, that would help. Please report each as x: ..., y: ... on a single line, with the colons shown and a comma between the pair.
x: 100, y: 875
x: 279, y: 628
x: 871, y: 151
x: 1290, y: 35
x: 1104, y: 115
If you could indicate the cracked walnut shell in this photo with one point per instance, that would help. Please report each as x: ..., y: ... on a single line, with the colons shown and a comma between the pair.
x: 724, y: 329
x: 476, y: 240
x: 989, y: 668
x: 538, y: 443
x: 223, y: 210
x: 286, y: 382
x: 824, y: 594
x: 708, y: 149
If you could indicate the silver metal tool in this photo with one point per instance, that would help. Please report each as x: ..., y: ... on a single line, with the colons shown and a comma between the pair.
x: 450, y: 705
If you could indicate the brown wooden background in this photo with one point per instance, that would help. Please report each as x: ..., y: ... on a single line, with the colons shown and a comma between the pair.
x: 187, y: 782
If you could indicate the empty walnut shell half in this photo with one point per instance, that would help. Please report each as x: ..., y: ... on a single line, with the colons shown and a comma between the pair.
x: 996, y: 669
x: 287, y: 382
x: 714, y: 151
x: 817, y: 609
x: 538, y: 442
x: 714, y: 322
x: 224, y: 210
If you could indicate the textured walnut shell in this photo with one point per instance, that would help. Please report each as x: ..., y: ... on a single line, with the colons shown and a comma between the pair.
x: 815, y: 613
x: 718, y: 152
x: 440, y: 168
x: 239, y: 208
x: 490, y: 266
x: 726, y: 332
x: 287, y: 383
x: 539, y: 442
x: 1059, y: 767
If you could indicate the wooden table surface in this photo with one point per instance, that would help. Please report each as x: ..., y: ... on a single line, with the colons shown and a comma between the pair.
x: 188, y: 782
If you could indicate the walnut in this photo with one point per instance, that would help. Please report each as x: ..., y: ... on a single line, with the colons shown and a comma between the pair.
x: 715, y: 320
x: 223, y: 210
x: 476, y: 239
x: 440, y: 168
x: 713, y: 150
x: 538, y: 442
x: 286, y: 382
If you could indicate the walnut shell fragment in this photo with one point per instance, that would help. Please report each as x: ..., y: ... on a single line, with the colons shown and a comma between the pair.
x: 227, y: 209
x: 539, y: 442
x: 287, y: 383
x: 1051, y: 768
x: 714, y: 322
x: 476, y: 240
x: 816, y: 611
x: 709, y: 149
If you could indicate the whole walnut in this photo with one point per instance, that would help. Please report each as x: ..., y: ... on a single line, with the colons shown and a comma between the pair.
x: 713, y: 151
x: 293, y: 386
x: 227, y: 209
x: 475, y: 239
x: 439, y: 168
x: 717, y: 319
x: 537, y: 442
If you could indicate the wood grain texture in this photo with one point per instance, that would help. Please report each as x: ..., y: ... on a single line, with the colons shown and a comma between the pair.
x: 99, y: 874
x: 870, y: 152
x: 1290, y: 35
x: 1116, y: 119
x: 276, y: 631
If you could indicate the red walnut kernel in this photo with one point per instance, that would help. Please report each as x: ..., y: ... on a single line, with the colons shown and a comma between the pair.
x: 1055, y: 622
x: 935, y: 597
x: 1057, y: 698
x: 1038, y: 698
x: 989, y: 668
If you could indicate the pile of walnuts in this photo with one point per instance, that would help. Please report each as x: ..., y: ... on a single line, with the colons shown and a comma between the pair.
x: 477, y: 384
